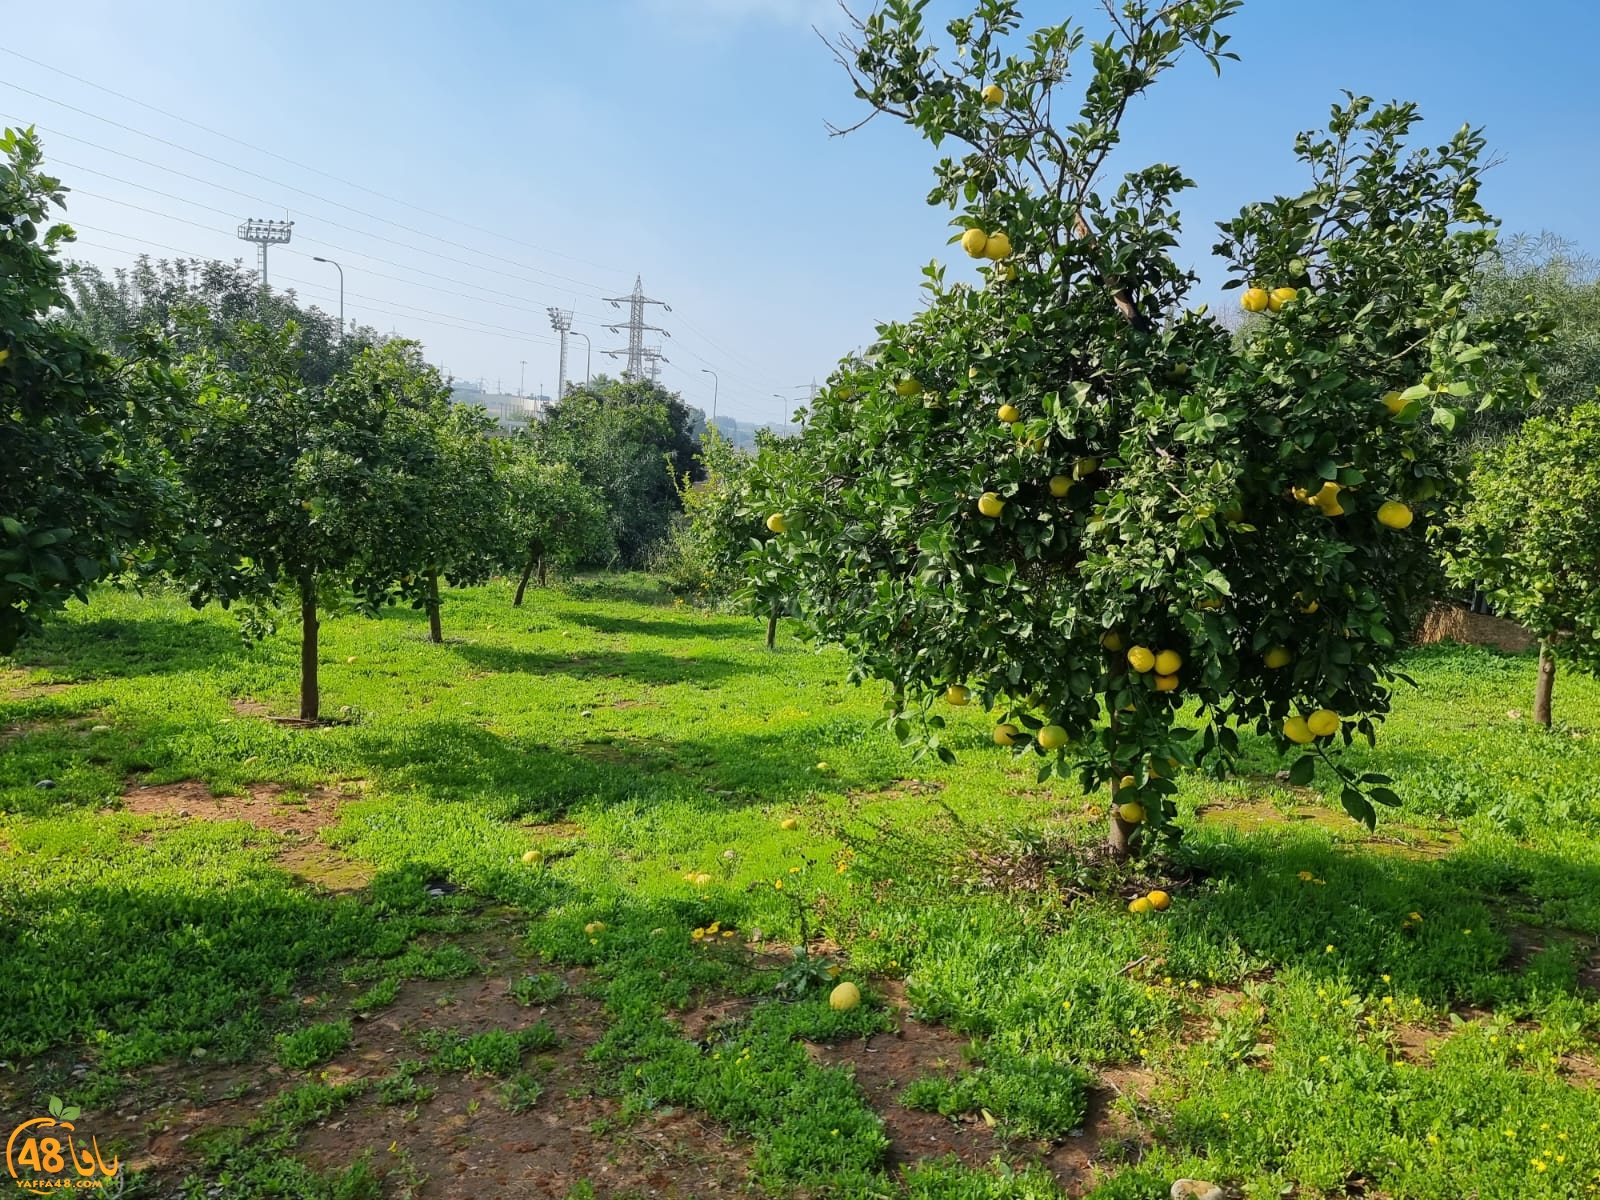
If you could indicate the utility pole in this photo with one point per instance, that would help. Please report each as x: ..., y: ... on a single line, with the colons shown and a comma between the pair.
x: 635, y: 325
x: 522, y: 379
x: 264, y: 234
x: 561, y: 322
x: 653, y: 356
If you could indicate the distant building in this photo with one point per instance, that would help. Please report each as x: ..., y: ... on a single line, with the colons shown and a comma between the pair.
x: 511, y: 413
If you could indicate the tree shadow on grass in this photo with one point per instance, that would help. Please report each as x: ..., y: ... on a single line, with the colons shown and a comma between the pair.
x: 130, y: 647
x: 672, y: 626
x: 1433, y: 927
x: 643, y: 666
x: 523, y: 778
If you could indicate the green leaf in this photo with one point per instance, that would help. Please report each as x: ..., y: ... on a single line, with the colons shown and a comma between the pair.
x: 1357, y: 806
x: 1303, y: 771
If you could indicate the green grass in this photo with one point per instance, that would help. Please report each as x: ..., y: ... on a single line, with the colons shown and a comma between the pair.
x: 1268, y: 1005
x: 313, y: 1045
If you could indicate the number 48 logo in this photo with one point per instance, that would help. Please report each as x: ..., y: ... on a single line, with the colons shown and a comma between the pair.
x: 37, y: 1147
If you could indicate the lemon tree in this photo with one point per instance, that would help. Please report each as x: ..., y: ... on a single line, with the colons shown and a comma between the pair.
x: 1529, y: 537
x: 1125, y: 531
x: 84, y: 486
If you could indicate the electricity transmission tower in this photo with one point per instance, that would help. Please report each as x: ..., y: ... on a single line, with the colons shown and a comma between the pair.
x: 264, y: 234
x: 636, y: 352
x: 561, y: 322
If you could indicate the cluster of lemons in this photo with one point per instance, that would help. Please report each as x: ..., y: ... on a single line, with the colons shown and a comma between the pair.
x: 1259, y: 299
x: 1156, y: 901
x: 1142, y: 661
x: 1302, y: 730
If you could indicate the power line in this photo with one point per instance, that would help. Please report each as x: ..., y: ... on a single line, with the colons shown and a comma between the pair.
x: 291, y: 187
x: 340, y: 225
x: 462, y: 324
x: 311, y: 241
x: 636, y: 358
x: 262, y: 200
x: 300, y: 165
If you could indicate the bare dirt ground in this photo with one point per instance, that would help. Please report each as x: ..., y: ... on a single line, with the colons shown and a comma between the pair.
x: 297, y: 817
x: 462, y: 1140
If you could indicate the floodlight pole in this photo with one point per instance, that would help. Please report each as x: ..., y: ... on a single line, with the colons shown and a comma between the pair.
x: 561, y: 322
x: 264, y: 234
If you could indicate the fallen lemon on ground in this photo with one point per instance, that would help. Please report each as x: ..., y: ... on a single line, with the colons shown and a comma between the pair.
x: 1142, y: 659
x: 990, y: 505
x: 702, y: 879
x: 957, y: 695
x: 844, y: 997
x: 1256, y: 300
x: 1052, y: 737
x: 532, y: 857
x: 1298, y: 731
x: 1141, y: 905
x: 788, y: 823
x: 594, y: 927
x: 1159, y: 901
x: 1394, y: 514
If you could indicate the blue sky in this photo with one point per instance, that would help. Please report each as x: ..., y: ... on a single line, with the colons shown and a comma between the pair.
x: 508, y: 157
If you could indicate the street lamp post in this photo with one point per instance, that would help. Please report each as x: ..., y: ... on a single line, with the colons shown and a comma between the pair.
x: 716, y: 386
x: 588, y: 355
x: 338, y: 268
x: 522, y: 379
x: 783, y: 421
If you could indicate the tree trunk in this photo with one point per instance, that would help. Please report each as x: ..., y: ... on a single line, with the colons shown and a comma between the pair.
x: 772, y: 627
x: 1546, y: 685
x: 435, y: 633
x: 1119, y: 837
x: 310, y: 702
x: 522, y: 584
x: 543, y: 561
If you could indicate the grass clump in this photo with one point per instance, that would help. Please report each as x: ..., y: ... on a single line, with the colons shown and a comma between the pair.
x: 1028, y: 1097
x: 496, y: 1052
x: 313, y: 1045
